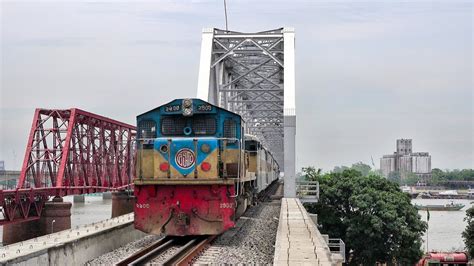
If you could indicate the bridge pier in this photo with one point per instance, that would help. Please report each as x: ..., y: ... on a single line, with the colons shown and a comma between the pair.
x: 79, y: 198
x: 122, y: 203
x: 56, y: 217
x: 107, y: 195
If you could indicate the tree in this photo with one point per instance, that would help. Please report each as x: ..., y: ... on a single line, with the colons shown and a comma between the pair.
x: 312, y: 174
x: 376, y: 172
x: 410, y: 179
x: 363, y: 168
x: 447, y: 175
x: 394, y: 177
x: 468, y: 233
x: 437, y: 173
x: 340, y: 169
x: 371, y: 214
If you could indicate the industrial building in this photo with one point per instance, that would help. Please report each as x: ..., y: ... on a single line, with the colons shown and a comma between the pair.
x: 405, y: 161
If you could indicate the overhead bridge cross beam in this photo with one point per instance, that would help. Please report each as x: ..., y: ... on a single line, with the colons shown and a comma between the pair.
x: 253, y: 74
x: 69, y: 151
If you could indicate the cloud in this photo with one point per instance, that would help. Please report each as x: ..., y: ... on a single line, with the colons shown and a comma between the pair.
x: 51, y: 42
x: 161, y: 42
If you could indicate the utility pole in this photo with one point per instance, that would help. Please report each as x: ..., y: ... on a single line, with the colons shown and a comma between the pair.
x: 427, y: 229
x: 225, y: 13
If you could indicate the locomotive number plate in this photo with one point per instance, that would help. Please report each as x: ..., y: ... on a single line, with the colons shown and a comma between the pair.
x: 172, y: 108
x: 204, y: 107
x: 143, y: 206
x: 185, y: 158
x: 226, y: 205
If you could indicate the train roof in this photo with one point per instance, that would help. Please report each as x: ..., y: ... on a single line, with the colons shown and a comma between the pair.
x: 179, y: 101
x: 251, y: 137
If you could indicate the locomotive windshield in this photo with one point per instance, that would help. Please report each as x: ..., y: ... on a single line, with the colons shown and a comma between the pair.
x: 199, y: 124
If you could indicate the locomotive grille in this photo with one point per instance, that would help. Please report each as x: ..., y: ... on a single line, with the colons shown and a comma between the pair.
x: 173, y: 126
x: 147, y: 129
x: 201, y: 125
x: 230, y: 130
x: 204, y: 126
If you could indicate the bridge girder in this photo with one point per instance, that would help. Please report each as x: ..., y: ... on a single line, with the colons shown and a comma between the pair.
x: 253, y: 74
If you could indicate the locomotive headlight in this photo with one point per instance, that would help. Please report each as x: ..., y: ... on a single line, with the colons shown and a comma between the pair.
x: 187, y: 111
x: 164, y: 148
x: 187, y: 103
x: 205, y: 148
x: 187, y: 107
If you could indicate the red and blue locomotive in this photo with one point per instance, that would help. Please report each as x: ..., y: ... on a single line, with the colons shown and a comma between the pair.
x: 196, y: 170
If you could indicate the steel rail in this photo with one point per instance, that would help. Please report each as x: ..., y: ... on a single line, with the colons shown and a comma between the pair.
x: 186, y: 254
x: 266, y: 194
x: 144, y: 255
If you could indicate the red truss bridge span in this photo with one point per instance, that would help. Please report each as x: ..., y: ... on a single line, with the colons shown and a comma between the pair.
x: 69, y: 152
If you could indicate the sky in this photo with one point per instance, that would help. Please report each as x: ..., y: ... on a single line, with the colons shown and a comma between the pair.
x: 367, y: 72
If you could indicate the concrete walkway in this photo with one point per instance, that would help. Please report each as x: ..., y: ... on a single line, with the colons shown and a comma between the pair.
x: 298, y: 241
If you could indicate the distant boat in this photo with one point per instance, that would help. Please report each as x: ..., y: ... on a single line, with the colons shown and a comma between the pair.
x: 410, y: 191
x: 406, y: 189
x: 448, y: 193
x: 441, y: 207
x: 470, y: 193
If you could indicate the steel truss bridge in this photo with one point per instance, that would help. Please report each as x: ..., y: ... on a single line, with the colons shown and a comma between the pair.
x: 253, y: 74
x: 69, y: 152
x: 77, y: 152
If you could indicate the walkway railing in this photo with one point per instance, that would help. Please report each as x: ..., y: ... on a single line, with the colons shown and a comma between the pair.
x: 307, y: 191
x: 337, y: 246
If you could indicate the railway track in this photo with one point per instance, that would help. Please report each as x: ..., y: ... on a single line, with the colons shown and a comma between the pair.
x: 266, y: 194
x: 183, y: 251
x: 171, y: 250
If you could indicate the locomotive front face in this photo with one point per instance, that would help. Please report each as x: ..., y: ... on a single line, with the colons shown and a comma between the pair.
x: 187, y: 163
x: 178, y: 158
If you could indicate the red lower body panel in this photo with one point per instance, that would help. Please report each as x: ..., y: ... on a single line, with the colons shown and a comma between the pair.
x: 184, y: 209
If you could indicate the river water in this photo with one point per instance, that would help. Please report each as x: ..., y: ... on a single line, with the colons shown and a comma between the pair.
x: 93, y: 209
x: 444, y: 227
x: 444, y: 231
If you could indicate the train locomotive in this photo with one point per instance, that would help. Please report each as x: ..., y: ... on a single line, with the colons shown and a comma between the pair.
x: 196, y: 169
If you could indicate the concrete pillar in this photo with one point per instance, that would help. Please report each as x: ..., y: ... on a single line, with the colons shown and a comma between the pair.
x: 289, y: 112
x: 207, y: 87
x: 107, y: 195
x: 79, y: 198
x: 290, y: 165
x: 122, y: 203
x: 56, y: 210
x: 13, y: 233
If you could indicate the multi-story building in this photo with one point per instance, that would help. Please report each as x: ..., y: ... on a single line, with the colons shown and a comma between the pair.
x: 405, y: 161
